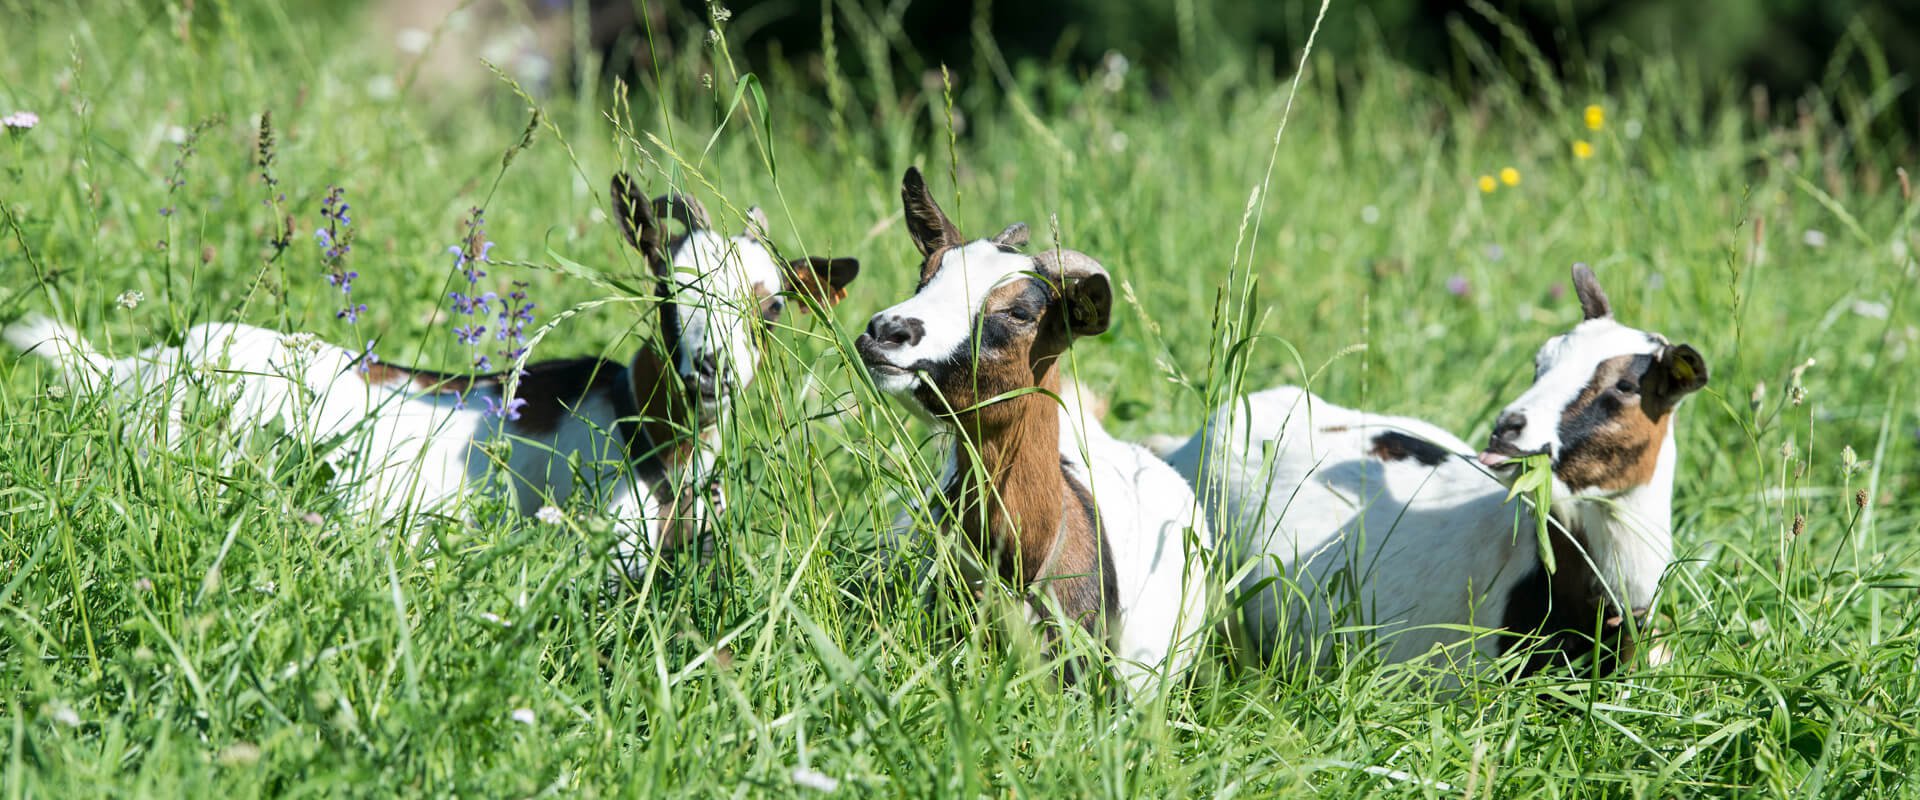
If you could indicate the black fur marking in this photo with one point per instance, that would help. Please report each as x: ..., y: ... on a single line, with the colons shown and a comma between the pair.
x: 1397, y: 446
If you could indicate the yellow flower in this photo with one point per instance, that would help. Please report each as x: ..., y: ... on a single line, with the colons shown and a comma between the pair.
x: 1596, y: 118
x: 1487, y: 184
x: 1510, y: 176
x: 1581, y: 149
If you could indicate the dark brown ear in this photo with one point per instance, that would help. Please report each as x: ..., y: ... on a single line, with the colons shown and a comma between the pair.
x: 929, y: 226
x: 823, y: 279
x: 1678, y: 371
x: 637, y: 222
x: 1088, y: 302
x: 1593, y: 300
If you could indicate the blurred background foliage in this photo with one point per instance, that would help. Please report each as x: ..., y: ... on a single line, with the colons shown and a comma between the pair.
x: 1850, y: 62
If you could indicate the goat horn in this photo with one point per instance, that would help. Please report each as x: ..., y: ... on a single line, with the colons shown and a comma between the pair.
x: 682, y: 209
x: 1069, y: 263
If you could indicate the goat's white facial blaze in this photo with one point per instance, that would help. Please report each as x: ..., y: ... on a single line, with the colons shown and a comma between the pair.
x: 719, y: 283
x: 1563, y: 368
x: 944, y: 311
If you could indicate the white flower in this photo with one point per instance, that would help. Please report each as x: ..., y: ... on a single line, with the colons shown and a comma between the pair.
x: 817, y: 781
x: 1370, y: 214
x: 1814, y: 238
x: 722, y: 13
x: 382, y: 87
x: 62, y: 713
x: 1632, y: 129
x: 1117, y: 142
x: 549, y: 515
x: 20, y: 121
x: 523, y: 716
x: 412, y: 40
x: 496, y: 619
x: 176, y: 134
x: 131, y: 299
x: 1870, y: 310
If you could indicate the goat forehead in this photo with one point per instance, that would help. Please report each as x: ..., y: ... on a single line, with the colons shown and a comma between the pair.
x: 723, y: 267
x: 969, y: 273
x: 1592, y: 343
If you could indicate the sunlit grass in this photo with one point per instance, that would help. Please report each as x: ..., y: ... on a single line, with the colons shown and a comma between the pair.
x: 177, y: 618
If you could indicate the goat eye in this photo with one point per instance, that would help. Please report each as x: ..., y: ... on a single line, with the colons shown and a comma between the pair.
x: 1626, y: 386
x: 774, y: 307
x: 1019, y: 312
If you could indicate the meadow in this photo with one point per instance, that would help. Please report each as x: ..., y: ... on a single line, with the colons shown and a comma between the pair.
x: 181, y: 622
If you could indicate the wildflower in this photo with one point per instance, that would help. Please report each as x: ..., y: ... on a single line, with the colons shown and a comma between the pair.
x: 130, y: 299
x: 722, y: 13
x: 1799, y: 525
x: 19, y: 122
x: 1849, y: 461
x: 1631, y: 129
x: 549, y: 515
x: 1815, y: 239
x: 1596, y: 117
x: 1458, y: 286
x: 1510, y: 176
x: 1495, y: 252
x: 512, y: 314
x: 509, y: 409
x: 60, y: 712
x: 1487, y: 184
x: 238, y: 754
x: 1868, y: 309
x: 1370, y: 214
x: 1582, y: 149
x: 815, y: 780
x: 335, y: 240
x: 523, y: 716
x: 142, y: 585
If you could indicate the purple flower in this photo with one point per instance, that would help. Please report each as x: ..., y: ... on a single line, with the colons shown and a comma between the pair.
x: 1458, y: 286
x: 510, y: 410
x: 335, y: 238
x: 469, y: 335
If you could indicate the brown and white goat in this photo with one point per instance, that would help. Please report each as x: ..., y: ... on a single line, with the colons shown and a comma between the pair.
x: 1095, y: 530
x: 637, y: 440
x: 1343, y: 517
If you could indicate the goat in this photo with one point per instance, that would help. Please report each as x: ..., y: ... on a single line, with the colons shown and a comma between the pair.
x: 637, y: 439
x: 1349, y: 517
x: 1089, y: 528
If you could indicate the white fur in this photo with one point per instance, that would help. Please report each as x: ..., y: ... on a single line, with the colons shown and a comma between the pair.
x: 715, y: 278
x: 947, y: 306
x: 1329, y: 536
x: 1563, y: 367
x: 1148, y: 512
x: 399, y: 451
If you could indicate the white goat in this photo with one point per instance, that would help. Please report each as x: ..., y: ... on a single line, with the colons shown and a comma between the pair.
x: 638, y: 439
x: 1351, y: 518
x: 1096, y: 530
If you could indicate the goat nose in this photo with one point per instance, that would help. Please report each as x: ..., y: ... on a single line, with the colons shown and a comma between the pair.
x: 706, y: 364
x: 896, y: 332
x: 1509, y: 425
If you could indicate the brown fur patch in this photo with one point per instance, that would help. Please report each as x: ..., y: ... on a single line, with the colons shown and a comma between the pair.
x: 1610, y: 439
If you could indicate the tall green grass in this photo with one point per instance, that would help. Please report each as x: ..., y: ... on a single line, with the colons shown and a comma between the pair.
x: 178, y: 621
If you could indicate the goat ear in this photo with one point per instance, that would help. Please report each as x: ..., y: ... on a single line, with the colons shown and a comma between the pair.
x: 1015, y: 235
x: 823, y: 279
x: 1593, y: 299
x: 1680, y: 371
x: 929, y: 226
x: 637, y: 221
x: 757, y: 223
x: 1087, y: 303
